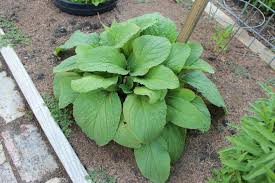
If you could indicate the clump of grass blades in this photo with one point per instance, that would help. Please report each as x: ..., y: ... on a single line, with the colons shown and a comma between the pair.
x: 13, y: 35
x: 63, y: 117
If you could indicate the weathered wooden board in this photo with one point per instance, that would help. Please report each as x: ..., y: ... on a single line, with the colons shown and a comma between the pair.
x: 59, y: 142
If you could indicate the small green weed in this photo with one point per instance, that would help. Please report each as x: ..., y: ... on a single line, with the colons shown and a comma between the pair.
x: 62, y: 116
x: 241, y: 71
x: 221, y: 37
x: 238, y: 70
x: 13, y: 35
x: 100, y: 176
x: 29, y: 115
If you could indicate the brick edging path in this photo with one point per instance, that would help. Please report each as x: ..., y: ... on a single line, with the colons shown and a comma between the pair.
x: 25, y: 155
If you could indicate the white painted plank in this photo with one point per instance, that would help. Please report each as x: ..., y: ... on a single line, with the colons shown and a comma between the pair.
x: 59, y: 142
x: 242, y: 35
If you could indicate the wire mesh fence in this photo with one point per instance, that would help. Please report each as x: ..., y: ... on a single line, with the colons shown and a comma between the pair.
x: 255, y: 16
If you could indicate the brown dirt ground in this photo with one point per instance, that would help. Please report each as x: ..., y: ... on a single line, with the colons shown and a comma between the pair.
x: 236, y: 77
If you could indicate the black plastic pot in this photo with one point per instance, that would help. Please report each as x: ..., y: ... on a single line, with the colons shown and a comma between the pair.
x: 84, y: 9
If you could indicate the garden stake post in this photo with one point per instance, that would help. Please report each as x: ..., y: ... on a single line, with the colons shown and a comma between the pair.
x: 192, y: 20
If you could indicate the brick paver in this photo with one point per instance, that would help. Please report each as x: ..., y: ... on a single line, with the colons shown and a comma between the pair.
x: 29, y: 153
x: 57, y: 180
x: 29, y: 157
x: 6, y: 173
x: 11, y: 103
x: 2, y: 155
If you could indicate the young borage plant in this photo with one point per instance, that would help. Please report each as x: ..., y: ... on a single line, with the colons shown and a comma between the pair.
x: 251, y: 155
x: 131, y: 84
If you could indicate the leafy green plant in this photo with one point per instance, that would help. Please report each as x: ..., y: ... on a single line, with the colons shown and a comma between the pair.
x: 251, y: 156
x: 131, y: 84
x: 221, y: 37
x: 94, y: 2
x: 13, y: 35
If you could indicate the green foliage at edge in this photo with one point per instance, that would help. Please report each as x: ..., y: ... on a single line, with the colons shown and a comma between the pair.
x: 251, y: 156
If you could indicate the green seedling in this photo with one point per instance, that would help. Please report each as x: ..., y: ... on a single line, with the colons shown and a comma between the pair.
x: 13, y: 35
x: 221, y: 37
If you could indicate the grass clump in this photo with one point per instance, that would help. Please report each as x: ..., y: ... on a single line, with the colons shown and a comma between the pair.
x: 63, y: 117
x: 13, y: 35
x: 100, y: 176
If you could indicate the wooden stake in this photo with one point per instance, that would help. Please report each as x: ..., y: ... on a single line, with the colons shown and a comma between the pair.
x: 192, y: 20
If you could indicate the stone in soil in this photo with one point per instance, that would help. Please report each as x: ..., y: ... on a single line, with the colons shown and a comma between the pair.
x: 11, y: 103
x: 57, y: 180
x: 29, y: 153
x: 2, y: 155
x: 6, y: 174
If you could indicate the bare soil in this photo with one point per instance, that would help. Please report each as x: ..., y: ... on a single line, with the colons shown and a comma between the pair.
x: 237, y: 73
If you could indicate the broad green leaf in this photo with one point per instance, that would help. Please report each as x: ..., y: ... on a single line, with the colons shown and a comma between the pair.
x: 126, y: 137
x: 153, y: 95
x: 145, y: 120
x: 185, y: 94
x: 68, y: 64
x: 148, y: 51
x: 92, y: 82
x: 201, y: 106
x: 158, y: 78
x: 83, y: 48
x: 103, y: 58
x: 62, y: 88
x: 103, y: 39
x: 196, y: 53
x: 153, y: 161
x: 178, y: 56
x: 205, y: 86
x: 79, y: 38
x: 187, y: 113
x: 145, y: 21
x: 200, y: 65
x: 175, y: 139
x: 163, y: 28
x: 98, y: 115
x: 120, y: 33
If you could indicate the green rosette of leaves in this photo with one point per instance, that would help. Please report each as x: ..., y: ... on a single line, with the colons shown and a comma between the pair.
x: 131, y: 84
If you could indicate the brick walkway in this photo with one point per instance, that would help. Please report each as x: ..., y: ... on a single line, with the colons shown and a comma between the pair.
x: 25, y: 155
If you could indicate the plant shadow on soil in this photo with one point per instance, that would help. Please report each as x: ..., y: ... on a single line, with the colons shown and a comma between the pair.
x: 48, y: 27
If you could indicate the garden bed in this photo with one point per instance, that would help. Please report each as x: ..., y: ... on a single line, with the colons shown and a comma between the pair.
x: 236, y: 77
